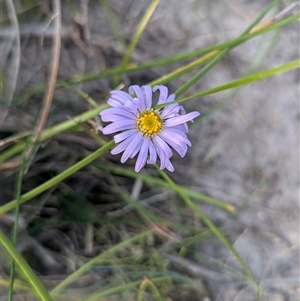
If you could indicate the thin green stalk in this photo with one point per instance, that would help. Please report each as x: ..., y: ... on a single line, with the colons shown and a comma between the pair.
x: 66, y: 125
x: 251, y: 68
x: 147, y: 282
x: 139, y: 30
x: 202, y: 72
x: 88, y: 265
x: 114, y: 23
x: 158, y: 181
x: 118, y: 289
x: 27, y: 271
x: 260, y: 17
x: 210, y: 225
x: 221, y: 54
x: 127, y: 198
x: 164, y: 61
x: 57, y: 179
x: 241, y: 81
x: 15, y: 149
x: 85, y: 96
x: 16, y: 223
x: 54, y: 130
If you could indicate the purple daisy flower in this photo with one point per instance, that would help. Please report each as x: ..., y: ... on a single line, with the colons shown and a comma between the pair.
x: 144, y: 130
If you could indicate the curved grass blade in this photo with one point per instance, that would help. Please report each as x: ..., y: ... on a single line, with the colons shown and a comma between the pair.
x: 241, y: 81
x: 16, y: 223
x: 157, y: 181
x: 159, y: 62
x: 211, y: 226
x: 119, y: 289
x: 88, y: 265
x: 220, y: 54
x: 148, y: 283
x: 57, y: 179
x: 27, y: 271
x: 139, y: 30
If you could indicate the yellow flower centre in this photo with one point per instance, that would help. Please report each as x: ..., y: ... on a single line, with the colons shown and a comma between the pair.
x: 149, y: 123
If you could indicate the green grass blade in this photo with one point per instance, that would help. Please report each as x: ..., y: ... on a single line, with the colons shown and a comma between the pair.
x: 159, y: 62
x: 16, y: 223
x: 148, y: 283
x: 202, y: 72
x: 57, y: 179
x: 139, y: 30
x: 119, y: 289
x: 29, y: 274
x: 85, y: 96
x: 54, y: 130
x: 114, y: 23
x: 241, y: 81
x: 159, y: 182
x: 84, y: 268
x: 260, y: 17
x: 221, y: 54
x: 210, y: 225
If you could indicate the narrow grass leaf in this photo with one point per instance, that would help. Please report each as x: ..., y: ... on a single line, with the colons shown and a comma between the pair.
x: 241, y: 81
x: 220, y: 54
x: 88, y: 265
x: 54, y: 130
x: 210, y: 225
x: 159, y: 182
x: 148, y: 283
x: 119, y: 289
x: 59, y: 178
x: 139, y: 30
x: 169, y: 60
x: 18, y: 190
x: 28, y: 273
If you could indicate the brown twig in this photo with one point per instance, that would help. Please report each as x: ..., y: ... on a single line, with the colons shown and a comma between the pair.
x: 48, y: 96
x: 13, y: 139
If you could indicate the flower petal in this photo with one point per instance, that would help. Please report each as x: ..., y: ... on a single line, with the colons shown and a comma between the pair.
x: 147, y: 90
x: 142, y: 157
x: 180, y: 147
x: 134, y: 146
x: 153, y: 154
x: 183, y: 128
x: 176, y: 134
x: 122, y: 146
x: 163, y: 158
x: 120, y: 95
x: 169, y: 166
x: 170, y: 111
x: 176, y: 111
x: 135, y: 89
x: 136, y: 150
x: 118, y: 98
x: 181, y: 119
x: 124, y: 135
x: 131, y: 106
x: 116, y: 111
x: 164, y: 161
x: 161, y: 144
x: 113, y: 118
x: 119, y: 126
x: 163, y: 93
x: 171, y: 98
